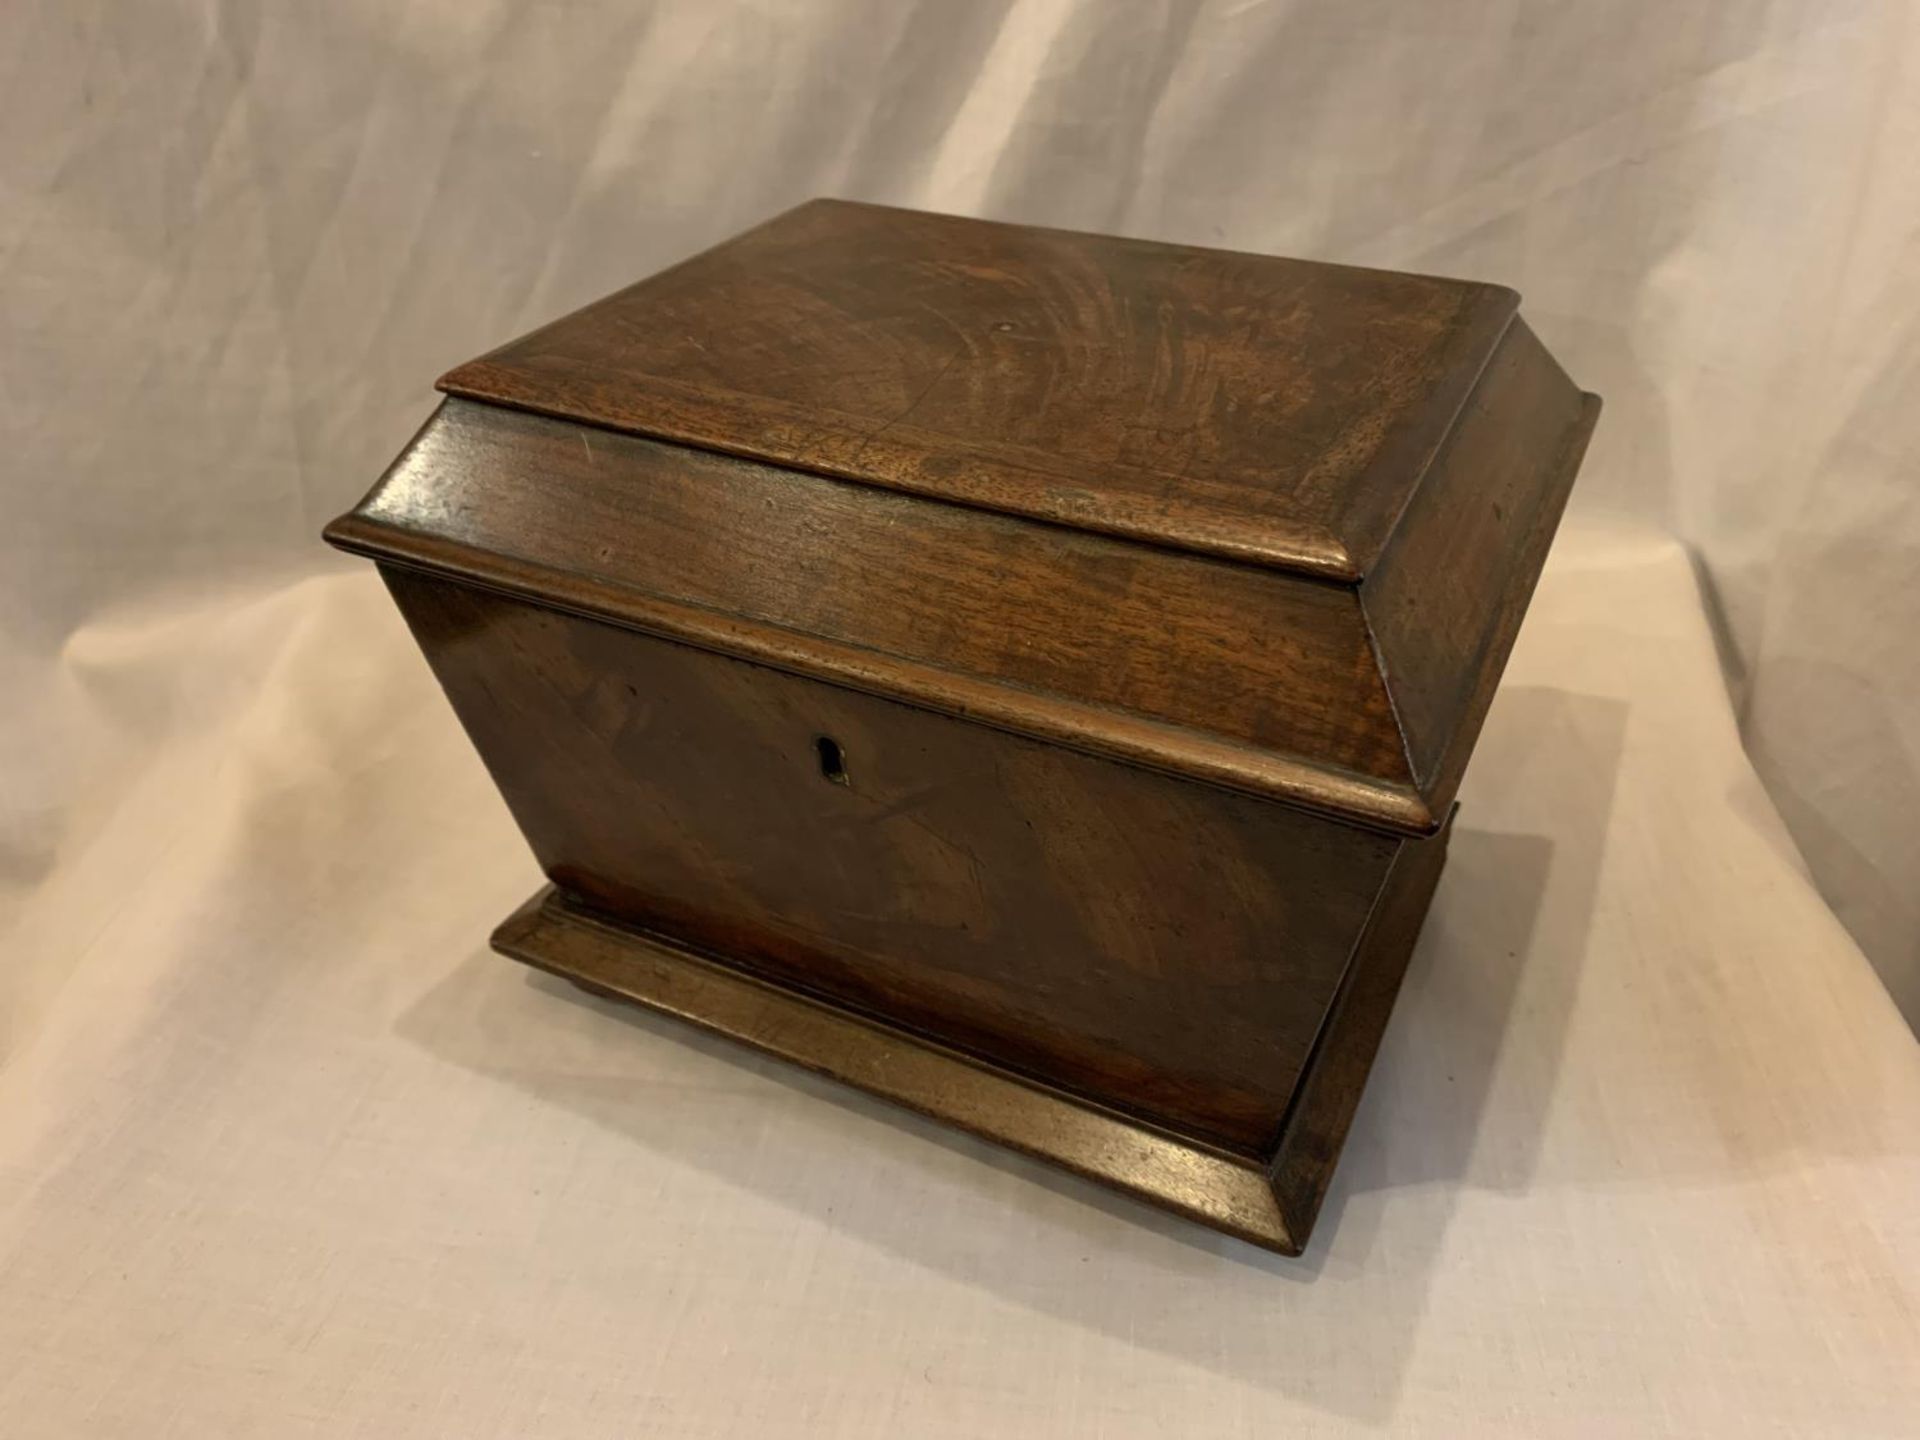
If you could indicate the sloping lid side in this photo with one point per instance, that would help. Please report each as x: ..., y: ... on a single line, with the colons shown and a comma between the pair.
x: 1260, y: 681
x: 1274, y: 411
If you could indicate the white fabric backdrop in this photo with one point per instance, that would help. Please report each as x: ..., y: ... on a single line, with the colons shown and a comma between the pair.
x: 238, y: 241
x: 279, y: 1151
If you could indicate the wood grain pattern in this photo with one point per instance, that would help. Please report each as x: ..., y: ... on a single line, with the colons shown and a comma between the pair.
x: 1446, y: 598
x: 1397, y: 418
x: 1273, y: 410
x: 1159, y: 946
x: 1271, y: 1201
x: 1240, y: 654
x: 1024, y: 674
x: 1335, y: 1074
x: 623, y: 962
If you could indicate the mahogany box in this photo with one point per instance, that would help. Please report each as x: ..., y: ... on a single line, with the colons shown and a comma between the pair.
x: 1023, y: 674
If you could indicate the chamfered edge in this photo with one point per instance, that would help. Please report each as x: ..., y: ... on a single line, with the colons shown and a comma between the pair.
x: 1440, y: 726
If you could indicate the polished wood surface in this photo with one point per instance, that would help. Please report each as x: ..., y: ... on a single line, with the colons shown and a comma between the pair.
x: 622, y: 962
x: 1025, y: 674
x: 1358, y: 700
x: 1156, y: 945
x: 1268, y: 409
x: 1270, y: 1201
x: 1445, y: 599
x: 1198, y: 648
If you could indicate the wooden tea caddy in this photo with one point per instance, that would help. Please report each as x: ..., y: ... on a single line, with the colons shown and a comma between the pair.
x: 1023, y: 674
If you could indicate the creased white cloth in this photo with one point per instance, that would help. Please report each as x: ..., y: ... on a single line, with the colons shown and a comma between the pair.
x: 284, y: 1151
x: 289, y: 1152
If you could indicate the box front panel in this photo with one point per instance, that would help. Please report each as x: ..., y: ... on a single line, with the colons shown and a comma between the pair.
x: 1164, y: 947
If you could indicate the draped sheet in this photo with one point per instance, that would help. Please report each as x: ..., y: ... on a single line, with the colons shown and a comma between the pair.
x: 283, y: 1150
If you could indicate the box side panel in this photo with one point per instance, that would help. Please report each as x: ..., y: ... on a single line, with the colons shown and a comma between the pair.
x: 1164, y: 947
x: 1446, y: 599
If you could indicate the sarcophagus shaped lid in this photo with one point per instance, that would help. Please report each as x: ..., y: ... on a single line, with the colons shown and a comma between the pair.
x: 1267, y: 522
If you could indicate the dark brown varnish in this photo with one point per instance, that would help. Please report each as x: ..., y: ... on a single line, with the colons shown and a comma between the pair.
x: 1023, y: 674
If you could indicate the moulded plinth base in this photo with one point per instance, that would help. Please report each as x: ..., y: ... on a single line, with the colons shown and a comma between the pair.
x: 1268, y: 1201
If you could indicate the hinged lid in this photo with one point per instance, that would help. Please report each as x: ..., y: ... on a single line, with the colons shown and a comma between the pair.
x: 1274, y: 410
x: 841, y: 428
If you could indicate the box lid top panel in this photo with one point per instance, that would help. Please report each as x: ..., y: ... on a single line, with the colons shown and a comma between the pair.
x: 1274, y: 411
